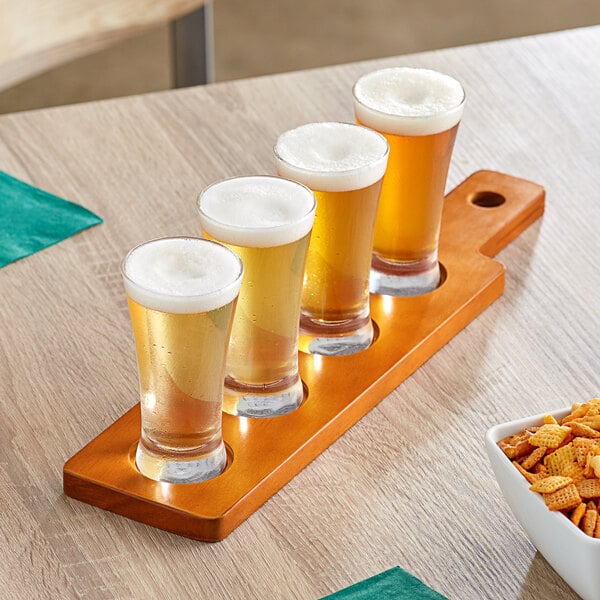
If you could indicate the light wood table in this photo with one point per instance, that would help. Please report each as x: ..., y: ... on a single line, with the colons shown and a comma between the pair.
x: 410, y: 484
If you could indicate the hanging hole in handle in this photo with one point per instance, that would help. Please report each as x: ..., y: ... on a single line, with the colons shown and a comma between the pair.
x: 487, y: 199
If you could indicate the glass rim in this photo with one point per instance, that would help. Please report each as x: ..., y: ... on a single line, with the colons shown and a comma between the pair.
x: 324, y: 172
x: 448, y: 111
x: 231, y: 284
x: 267, y: 229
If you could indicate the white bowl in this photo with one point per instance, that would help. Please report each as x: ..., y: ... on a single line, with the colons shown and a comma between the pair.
x: 574, y: 555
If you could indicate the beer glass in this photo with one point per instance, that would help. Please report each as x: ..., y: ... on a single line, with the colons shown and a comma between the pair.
x: 267, y: 221
x: 418, y: 111
x: 181, y: 294
x: 343, y: 164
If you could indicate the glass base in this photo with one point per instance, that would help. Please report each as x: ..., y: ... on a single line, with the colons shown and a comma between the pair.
x: 398, y: 280
x: 328, y: 342
x: 260, y: 401
x: 174, y: 469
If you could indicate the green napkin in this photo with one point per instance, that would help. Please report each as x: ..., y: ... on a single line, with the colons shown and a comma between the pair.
x: 393, y: 584
x: 31, y: 219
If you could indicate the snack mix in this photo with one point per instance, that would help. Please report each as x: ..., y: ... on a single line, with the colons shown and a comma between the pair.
x: 561, y: 461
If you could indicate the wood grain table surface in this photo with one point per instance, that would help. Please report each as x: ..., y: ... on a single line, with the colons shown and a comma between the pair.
x: 410, y: 484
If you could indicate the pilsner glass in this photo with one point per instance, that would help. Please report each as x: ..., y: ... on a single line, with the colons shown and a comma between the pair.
x: 266, y: 221
x: 418, y: 111
x: 181, y: 294
x: 343, y: 164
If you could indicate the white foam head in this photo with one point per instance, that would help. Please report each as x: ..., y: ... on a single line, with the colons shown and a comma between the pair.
x: 182, y: 275
x: 332, y: 157
x: 257, y: 211
x: 408, y: 101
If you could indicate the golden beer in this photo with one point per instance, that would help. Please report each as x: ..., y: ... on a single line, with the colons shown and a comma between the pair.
x: 418, y: 111
x: 181, y: 294
x: 266, y: 221
x: 336, y: 290
x: 343, y: 164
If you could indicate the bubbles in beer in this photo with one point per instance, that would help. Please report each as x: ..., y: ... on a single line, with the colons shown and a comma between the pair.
x: 332, y: 157
x: 408, y: 101
x: 182, y: 275
x: 257, y: 211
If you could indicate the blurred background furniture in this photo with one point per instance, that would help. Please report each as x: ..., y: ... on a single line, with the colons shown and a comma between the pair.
x: 261, y: 37
x: 39, y: 35
x: 271, y: 36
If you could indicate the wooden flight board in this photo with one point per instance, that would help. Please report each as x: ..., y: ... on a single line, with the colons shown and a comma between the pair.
x: 481, y: 216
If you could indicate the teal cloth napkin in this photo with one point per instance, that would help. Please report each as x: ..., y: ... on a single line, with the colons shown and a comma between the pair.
x: 393, y: 584
x: 31, y: 219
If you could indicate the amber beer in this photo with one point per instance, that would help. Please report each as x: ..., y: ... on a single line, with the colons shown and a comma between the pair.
x: 266, y: 221
x: 343, y: 164
x: 418, y: 111
x: 181, y: 294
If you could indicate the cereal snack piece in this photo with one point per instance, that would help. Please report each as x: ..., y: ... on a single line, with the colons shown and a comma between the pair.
x: 583, y: 446
x: 595, y: 464
x: 549, y: 420
x: 534, y: 458
x: 575, y: 472
x: 593, y: 407
x: 588, y: 488
x: 593, y: 422
x: 578, y: 513
x: 577, y: 410
x: 516, y: 445
x: 581, y: 430
x: 551, y: 484
x: 550, y: 436
x: 563, y: 499
x: 588, y: 470
x: 561, y: 460
x: 531, y: 477
x: 589, y: 519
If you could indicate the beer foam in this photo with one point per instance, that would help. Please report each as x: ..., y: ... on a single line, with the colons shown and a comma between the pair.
x: 257, y: 211
x: 408, y: 101
x: 332, y: 157
x: 182, y: 275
